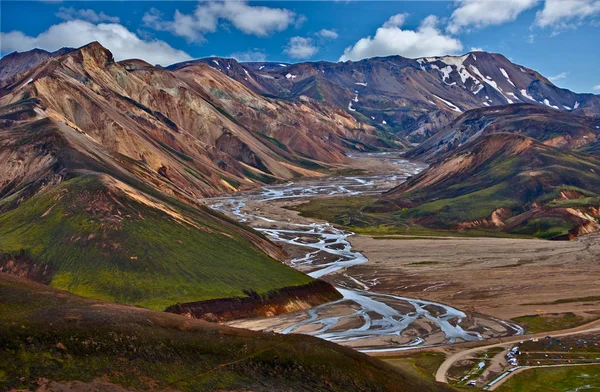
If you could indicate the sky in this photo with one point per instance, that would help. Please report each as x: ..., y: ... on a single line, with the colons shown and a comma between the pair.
x: 558, y: 38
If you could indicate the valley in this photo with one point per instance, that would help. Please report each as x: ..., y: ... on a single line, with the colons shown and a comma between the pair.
x: 217, y: 224
x: 372, y: 317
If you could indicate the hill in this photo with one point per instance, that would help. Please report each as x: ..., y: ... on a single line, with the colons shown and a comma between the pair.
x: 55, y: 341
x: 102, y: 171
x: 552, y: 127
x: 498, y: 184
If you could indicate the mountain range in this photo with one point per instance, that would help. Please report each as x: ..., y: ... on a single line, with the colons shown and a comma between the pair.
x: 414, y: 98
x: 109, y: 159
x: 106, y: 163
x: 562, y: 129
x: 409, y: 97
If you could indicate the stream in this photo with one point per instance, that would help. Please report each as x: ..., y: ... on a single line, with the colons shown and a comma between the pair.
x: 364, y: 319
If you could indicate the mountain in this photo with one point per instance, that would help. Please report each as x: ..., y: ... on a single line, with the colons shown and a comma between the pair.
x: 103, y: 166
x: 204, y: 132
x: 65, y: 342
x: 413, y: 97
x: 552, y: 127
x: 504, y: 182
x: 17, y: 62
x: 494, y: 185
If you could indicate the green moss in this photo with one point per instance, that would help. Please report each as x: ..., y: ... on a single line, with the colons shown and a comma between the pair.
x: 260, y: 177
x: 273, y: 141
x: 545, y: 228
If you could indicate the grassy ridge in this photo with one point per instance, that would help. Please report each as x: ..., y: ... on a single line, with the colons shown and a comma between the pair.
x: 49, y: 334
x: 104, y: 244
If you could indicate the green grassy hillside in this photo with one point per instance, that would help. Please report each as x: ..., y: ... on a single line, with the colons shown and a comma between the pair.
x: 53, y: 338
x: 99, y: 238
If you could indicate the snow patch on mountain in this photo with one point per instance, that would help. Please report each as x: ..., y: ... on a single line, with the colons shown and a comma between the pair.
x: 524, y: 93
x: 450, y: 104
x: 513, y: 95
x: 547, y: 103
x: 506, y: 76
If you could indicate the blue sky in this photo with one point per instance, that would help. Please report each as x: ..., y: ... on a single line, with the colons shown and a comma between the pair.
x: 559, y: 38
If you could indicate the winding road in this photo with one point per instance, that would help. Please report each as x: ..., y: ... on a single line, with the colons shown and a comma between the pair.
x: 442, y: 373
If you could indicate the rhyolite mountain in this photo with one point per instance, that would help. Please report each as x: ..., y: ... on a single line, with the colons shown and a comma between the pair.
x: 103, y: 164
x: 408, y: 97
x: 504, y: 182
x: 413, y: 97
x: 497, y: 184
x: 197, y: 128
x: 556, y: 128
x: 18, y: 62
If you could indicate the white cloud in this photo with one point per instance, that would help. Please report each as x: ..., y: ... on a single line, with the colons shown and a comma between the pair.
x: 562, y: 13
x: 391, y: 39
x: 482, y: 13
x: 254, y: 55
x: 300, y: 20
x: 301, y: 48
x: 255, y: 20
x: 476, y: 49
x: 89, y: 15
x: 75, y: 33
x: 596, y: 87
x: 531, y: 39
x: 560, y: 76
x: 327, y: 34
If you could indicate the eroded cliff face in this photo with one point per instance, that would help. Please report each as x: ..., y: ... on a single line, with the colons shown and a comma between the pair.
x: 285, y: 300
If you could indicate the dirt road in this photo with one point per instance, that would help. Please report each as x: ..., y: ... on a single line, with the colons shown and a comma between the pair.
x: 441, y: 374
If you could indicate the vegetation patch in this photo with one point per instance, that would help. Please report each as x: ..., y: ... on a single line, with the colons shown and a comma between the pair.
x: 46, y: 334
x: 424, y: 364
x: 549, y: 322
x: 554, y: 379
x: 103, y: 244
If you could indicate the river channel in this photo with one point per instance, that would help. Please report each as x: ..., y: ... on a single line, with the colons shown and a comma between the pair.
x: 365, y: 319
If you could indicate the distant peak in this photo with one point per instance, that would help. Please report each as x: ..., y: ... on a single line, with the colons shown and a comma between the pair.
x: 97, y: 52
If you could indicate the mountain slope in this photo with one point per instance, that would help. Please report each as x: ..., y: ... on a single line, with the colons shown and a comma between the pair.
x: 65, y: 342
x: 17, y: 62
x: 98, y: 192
x: 552, y: 127
x: 504, y: 182
x: 496, y: 185
x: 150, y: 115
x: 408, y: 96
